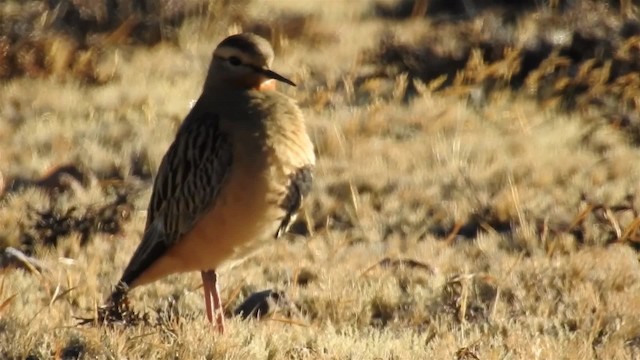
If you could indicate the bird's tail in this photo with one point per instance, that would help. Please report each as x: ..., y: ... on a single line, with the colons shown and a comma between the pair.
x: 118, y: 295
x: 152, y: 246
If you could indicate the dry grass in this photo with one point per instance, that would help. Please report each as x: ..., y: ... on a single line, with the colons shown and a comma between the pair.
x: 469, y: 217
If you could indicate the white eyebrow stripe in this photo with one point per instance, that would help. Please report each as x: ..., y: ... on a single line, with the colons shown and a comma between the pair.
x: 226, y: 52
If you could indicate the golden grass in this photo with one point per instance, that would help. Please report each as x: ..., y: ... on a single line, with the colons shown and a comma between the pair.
x: 519, y: 215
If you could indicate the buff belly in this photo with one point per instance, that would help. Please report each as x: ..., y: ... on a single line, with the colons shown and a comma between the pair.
x: 243, y: 218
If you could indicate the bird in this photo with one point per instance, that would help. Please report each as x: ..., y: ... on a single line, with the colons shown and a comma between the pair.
x: 233, y: 178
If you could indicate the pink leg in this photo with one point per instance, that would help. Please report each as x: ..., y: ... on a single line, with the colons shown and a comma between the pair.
x: 208, y: 286
x: 212, y: 297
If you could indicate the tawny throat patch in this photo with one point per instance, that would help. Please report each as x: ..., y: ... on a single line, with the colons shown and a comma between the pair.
x: 267, y: 85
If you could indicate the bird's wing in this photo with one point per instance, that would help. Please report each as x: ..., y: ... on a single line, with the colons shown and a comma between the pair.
x: 190, y: 177
x: 299, y: 186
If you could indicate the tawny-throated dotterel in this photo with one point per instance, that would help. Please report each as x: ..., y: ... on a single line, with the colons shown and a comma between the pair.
x: 233, y: 178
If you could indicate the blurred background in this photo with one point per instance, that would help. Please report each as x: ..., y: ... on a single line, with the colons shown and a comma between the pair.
x: 476, y: 185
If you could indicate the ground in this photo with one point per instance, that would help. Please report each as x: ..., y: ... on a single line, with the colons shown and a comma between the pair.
x: 474, y: 196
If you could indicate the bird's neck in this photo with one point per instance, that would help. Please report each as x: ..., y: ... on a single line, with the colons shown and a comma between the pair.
x: 217, y: 91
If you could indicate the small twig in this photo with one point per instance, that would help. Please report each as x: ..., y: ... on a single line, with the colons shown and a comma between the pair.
x: 142, y: 335
x: 12, y: 256
x: 631, y: 229
x: 7, y: 302
x: 234, y: 294
x: 582, y: 215
x: 608, y: 214
x: 454, y: 232
x: 387, y: 262
x: 57, y: 295
x: 288, y: 321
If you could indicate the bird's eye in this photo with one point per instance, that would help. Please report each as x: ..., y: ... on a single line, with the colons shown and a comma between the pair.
x: 234, y: 60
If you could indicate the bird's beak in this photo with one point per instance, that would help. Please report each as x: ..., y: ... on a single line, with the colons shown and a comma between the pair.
x: 274, y: 75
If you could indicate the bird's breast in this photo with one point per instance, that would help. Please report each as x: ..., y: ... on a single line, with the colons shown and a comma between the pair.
x: 270, y: 143
x: 244, y: 215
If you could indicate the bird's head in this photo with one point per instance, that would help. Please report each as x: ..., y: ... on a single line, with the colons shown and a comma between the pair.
x: 243, y: 61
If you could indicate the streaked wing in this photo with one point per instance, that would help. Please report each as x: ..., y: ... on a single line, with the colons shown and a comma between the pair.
x: 189, y: 179
x: 299, y: 186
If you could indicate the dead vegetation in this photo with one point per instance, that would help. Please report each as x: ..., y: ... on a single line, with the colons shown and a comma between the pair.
x: 66, y: 38
x: 572, y: 62
x: 475, y: 194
